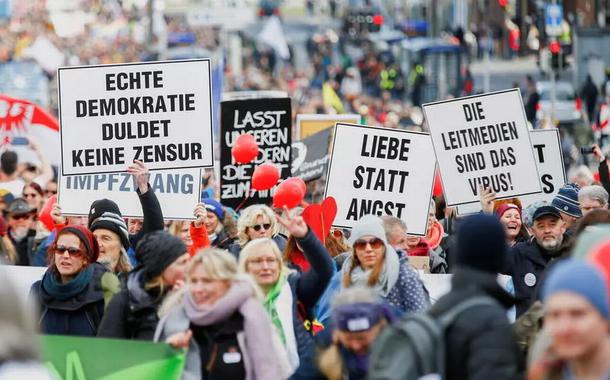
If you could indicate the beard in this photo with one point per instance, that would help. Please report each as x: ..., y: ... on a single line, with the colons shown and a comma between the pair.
x: 551, y: 245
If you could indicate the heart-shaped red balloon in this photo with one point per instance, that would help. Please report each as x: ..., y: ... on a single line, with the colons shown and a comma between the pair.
x: 288, y: 194
x: 321, y: 217
x: 265, y: 176
x: 245, y: 149
x: 44, y: 216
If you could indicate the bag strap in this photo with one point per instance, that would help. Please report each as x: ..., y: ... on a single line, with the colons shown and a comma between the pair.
x: 450, y: 316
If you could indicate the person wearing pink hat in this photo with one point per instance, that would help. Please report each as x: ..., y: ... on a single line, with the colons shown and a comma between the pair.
x: 510, y: 217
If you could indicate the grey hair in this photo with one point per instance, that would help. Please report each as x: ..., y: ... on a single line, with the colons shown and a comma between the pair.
x: 390, y: 222
x: 595, y: 193
x: 583, y: 173
x: 355, y: 294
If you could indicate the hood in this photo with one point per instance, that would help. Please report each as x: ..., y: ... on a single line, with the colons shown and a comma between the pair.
x: 138, y: 297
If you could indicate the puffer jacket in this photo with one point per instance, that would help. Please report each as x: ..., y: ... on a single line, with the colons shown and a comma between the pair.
x: 80, y: 315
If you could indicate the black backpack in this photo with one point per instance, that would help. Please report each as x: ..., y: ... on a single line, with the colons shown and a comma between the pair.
x: 414, y: 347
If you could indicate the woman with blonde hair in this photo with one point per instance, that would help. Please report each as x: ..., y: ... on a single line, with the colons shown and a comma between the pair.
x: 255, y: 222
x: 285, y: 290
x: 221, y: 322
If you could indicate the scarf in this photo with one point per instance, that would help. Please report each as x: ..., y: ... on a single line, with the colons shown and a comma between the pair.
x: 262, y: 358
x: 271, y: 307
x: 387, y: 278
x: 60, y: 291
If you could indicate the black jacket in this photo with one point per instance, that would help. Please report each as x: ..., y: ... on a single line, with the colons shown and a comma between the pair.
x: 25, y: 247
x: 604, y: 175
x: 223, y: 240
x: 527, y: 263
x: 152, y: 216
x: 480, y: 343
x: 132, y: 313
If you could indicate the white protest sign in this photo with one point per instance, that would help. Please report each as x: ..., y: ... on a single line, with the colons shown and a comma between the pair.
x: 546, y: 144
x: 483, y: 141
x: 178, y: 192
x: 383, y: 172
x: 157, y: 112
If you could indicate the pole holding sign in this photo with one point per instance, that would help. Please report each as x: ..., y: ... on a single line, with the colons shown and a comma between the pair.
x: 159, y: 113
x: 382, y: 172
x: 483, y: 141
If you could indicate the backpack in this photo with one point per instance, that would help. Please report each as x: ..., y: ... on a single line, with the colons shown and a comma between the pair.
x: 414, y: 347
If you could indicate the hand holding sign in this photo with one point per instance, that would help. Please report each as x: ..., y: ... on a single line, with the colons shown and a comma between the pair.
x: 141, y: 174
x: 56, y: 212
x: 201, y: 215
x: 295, y: 225
x: 488, y: 197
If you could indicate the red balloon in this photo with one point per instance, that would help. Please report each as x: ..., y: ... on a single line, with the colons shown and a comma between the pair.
x: 299, y: 182
x: 44, y: 216
x: 289, y: 194
x: 265, y: 176
x: 245, y: 149
x: 438, y: 185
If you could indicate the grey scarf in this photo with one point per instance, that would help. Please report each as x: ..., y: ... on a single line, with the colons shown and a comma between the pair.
x: 387, y: 278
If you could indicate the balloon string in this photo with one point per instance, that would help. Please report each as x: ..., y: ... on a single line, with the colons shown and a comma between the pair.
x: 245, y: 199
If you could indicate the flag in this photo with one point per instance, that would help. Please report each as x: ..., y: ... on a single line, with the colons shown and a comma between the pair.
x: 330, y: 98
x: 20, y: 118
x: 273, y: 35
x: 79, y: 358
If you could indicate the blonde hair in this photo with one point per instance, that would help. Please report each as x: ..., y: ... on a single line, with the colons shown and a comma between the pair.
x: 248, y: 218
x: 218, y: 264
x: 175, y: 227
x: 256, y: 246
x: 123, y: 265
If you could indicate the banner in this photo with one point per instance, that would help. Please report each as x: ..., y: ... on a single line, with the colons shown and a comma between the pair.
x: 383, y: 172
x: 79, y: 358
x: 310, y: 156
x: 483, y: 141
x: 178, y: 192
x: 309, y: 124
x: 269, y: 121
x: 159, y: 113
x: 546, y: 144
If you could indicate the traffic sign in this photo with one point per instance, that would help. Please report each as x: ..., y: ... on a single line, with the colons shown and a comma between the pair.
x: 553, y: 15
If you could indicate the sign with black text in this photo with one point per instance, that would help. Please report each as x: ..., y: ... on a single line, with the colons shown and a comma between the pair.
x: 483, y: 141
x: 382, y: 172
x: 178, y: 192
x: 270, y: 122
x: 158, y: 112
x: 310, y: 156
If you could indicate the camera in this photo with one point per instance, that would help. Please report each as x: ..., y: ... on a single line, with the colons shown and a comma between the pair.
x: 586, y: 149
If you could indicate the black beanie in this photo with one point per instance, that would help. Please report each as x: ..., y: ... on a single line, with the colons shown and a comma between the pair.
x: 157, y: 250
x: 101, y: 206
x: 481, y: 243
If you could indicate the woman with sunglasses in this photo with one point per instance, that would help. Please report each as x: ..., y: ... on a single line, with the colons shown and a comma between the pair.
x: 74, y: 291
x: 33, y: 194
x: 257, y: 221
x: 286, y: 291
x: 375, y: 264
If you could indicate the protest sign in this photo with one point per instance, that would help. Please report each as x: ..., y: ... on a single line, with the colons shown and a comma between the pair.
x: 546, y: 144
x: 483, y: 141
x: 309, y: 124
x: 80, y: 358
x: 310, y: 156
x: 382, y: 172
x: 269, y: 121
x: 178, y: 192
x: 159, y: 113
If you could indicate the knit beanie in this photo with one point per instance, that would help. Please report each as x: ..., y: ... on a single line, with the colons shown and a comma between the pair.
x: 368, y: 225
x: 505, y: 207
x: 566, y: 200
x: 215, y: 207
x: 92, y: 249
x: 481, y: 243
x: 580, y: 278
x: 157, y: 250
x: 101, y: 206
x: 105, y: 214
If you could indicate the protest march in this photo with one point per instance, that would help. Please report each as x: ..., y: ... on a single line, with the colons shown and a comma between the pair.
x: 252, y: 191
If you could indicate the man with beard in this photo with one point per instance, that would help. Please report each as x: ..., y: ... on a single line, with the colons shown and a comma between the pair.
x: 22, y: 229
x: 528, y: 260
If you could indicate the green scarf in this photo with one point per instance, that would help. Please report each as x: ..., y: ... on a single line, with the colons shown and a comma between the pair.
x: 270, y: 306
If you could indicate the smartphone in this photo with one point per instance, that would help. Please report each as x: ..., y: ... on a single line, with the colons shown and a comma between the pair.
x: 19, y: 140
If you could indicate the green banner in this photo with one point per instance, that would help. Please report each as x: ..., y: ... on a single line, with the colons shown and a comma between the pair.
x: 77, y: 358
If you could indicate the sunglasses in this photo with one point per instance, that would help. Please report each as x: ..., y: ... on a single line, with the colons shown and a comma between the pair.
x: 258, y: 227
x: 375, y: 243
x: 72, y: 251
x: 21, y: 216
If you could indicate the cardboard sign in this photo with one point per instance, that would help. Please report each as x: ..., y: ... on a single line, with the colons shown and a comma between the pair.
x: 546, y: 144
x: 269, y: 121
x: 309, y: 124
x: 382, y: 172
x: 311, y: 155
x: 159, y: 113
x: 178, y: 192
x: 421, y: 263
x: 483, y: 141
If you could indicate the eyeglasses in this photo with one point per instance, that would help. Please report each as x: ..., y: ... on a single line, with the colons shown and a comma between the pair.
x: 258, y: 227
x: 72, y: 251
x: 21, y: 216
x: 375, y: 243
x: 29, y: 195
x: 270, y: 261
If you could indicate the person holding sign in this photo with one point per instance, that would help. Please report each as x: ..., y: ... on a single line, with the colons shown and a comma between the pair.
x: 215, y: 216
x: 375, y: 264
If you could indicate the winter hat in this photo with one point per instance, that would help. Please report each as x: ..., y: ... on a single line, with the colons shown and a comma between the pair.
x: 581, y: 278
x: 105, y: 214
x: 481, y: 243
x: 528, y: 213
x: 368, y: 225
x: 92, y: 249
x: 356, y: 317
x: 566, y: 200
x: 505, y: 207
x: 215, y: 207
x: 157, y: 250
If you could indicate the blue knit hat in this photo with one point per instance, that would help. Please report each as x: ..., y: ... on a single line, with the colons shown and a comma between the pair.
x: 581, y: 278
x: 481, y: 243
x: 566, y: 200
x: 215, y: 207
